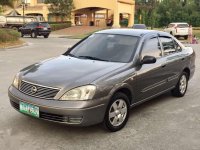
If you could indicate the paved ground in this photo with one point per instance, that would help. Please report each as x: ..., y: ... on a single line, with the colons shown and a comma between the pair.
x: 77, y: 30
x: 164, y: 123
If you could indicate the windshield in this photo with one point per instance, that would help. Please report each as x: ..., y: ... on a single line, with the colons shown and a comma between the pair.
x: 106, y: 47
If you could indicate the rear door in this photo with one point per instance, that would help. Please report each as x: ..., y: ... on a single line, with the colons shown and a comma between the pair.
x: 151, y: 80
x: 27, y: 28
x: 173, y: 60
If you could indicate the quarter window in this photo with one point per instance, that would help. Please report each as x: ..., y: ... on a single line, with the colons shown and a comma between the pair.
x: 152, y: 48
x: 169, y: 45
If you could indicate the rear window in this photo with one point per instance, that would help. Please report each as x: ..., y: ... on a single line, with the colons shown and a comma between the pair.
x: 44, y: 24
x: 182, y: 25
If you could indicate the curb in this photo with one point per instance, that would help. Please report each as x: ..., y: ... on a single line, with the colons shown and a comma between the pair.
x: 59, y: 36
x: 15, y: 46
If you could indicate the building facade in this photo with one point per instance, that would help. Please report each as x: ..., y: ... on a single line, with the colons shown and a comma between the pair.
x: 86, y: 12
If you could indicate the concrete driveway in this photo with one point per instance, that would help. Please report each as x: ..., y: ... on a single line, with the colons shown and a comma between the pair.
x: 164, y: 123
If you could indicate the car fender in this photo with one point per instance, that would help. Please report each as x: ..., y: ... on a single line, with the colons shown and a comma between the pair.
x: 119, y: 87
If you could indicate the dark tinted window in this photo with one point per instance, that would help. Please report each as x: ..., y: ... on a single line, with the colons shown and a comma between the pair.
x: 44, y: 24
x: 169, y: 45
x: 139, y: 26
x: 28, y: 25
x: 152, y: 48
x: 114, y: 48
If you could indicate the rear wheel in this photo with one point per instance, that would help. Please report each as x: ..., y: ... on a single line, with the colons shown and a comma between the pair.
x: 117, y: 112
x: 34, y: 34
x: 46, y: 36
x: 181, y: 87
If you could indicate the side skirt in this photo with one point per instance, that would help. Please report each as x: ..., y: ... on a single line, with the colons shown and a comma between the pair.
x: 149, y: 98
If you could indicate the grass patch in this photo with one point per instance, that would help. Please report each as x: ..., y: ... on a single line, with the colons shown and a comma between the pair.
x: 197, y: 33
x: 10, y: 44
x: 8, y: 35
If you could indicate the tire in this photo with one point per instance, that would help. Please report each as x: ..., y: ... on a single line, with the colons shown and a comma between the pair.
x: 186, y: 37
x: 46, y: 36
x: 34, y: 34
x: 117, y: 112
x: 181, y: 86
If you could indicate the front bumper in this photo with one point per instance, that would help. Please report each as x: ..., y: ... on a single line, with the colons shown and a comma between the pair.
x: 77, y: 113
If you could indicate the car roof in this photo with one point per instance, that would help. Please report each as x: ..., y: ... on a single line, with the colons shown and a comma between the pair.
x: 133, y: 32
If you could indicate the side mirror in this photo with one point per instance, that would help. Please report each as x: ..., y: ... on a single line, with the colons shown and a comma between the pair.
x: 148, y: 60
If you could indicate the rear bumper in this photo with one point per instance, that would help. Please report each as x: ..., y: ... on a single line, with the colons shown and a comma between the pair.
x: 180, y: 34
x: 43, y: 32
x: 78, y: 114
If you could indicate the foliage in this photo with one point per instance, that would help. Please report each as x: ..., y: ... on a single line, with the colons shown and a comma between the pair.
x: 61, y: 7
x: 58, y: 26
x: 170, y: 11
x: 6, y: 2
x: 8, y: 35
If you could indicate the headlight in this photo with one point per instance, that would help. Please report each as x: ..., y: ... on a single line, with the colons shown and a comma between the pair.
x: 81, y: 93
x: 16, y: 81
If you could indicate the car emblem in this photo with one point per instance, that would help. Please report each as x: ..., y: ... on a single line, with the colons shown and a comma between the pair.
x: 33, y: 89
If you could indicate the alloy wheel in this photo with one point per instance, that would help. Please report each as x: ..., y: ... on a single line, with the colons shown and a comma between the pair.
x: 118, y: 112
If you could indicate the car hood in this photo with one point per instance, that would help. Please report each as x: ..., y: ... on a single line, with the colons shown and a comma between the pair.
x: 65, y: 71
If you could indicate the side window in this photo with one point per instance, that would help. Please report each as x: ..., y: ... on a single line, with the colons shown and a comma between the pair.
x: 152, y: 48
x: 169, y: 45
x: 28, y: 25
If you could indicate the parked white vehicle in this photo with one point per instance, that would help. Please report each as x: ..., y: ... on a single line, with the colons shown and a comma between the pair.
x: 180, y: 29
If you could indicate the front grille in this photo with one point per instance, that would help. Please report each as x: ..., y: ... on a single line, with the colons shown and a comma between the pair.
x: 38, y: 90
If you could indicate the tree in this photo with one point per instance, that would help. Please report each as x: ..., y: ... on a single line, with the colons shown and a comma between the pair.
x: 6, y: 2
x: 62, y: 8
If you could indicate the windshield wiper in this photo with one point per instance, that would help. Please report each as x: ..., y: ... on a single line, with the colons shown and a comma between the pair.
x: 72, y: 55
x: 92, y: 58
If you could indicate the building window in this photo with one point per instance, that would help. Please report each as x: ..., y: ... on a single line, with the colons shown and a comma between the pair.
x: 40, y: 1
x: 100, y: 16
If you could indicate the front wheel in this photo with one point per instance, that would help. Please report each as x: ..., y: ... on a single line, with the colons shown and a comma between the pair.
x: 181, y: 87
x: 117, y: 112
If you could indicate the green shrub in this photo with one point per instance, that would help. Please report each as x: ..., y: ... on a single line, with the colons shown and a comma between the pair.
x: 58, y: 26
x: 8, y: 35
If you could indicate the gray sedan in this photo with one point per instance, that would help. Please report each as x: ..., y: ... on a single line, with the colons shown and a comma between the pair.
x: 102, y: 77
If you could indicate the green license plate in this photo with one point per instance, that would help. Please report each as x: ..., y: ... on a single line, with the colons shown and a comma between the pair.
x: 29, y: 109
